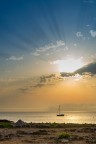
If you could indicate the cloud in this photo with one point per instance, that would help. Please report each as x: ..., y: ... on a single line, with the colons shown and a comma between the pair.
x: 79, y: 34
x: 14, y: 58
x: 42, y: 85
x: 35, y: 54
x: 90, y: 68
x: 58, y: 44
x: 86, y: 72
x: 31, y: 85
x: 50, y: 47
x: 39, y: 85
x: 93, y: 33
x: 45, y: 80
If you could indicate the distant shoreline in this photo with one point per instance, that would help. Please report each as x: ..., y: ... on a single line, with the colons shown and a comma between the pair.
x: 24, y: 124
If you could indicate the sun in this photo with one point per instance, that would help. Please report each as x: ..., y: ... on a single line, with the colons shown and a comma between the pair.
x: 70, y: 65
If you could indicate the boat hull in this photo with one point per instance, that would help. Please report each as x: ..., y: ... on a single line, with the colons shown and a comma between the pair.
x: 60, y: 115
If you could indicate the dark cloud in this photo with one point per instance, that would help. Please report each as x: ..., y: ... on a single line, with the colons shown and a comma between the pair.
x: 42, y: 85
x: 49, y: 80
x: 90, y: 68
x: 43, y: 81
x: 46, y: 78
x: 39, y: 85
x: 88, y: 71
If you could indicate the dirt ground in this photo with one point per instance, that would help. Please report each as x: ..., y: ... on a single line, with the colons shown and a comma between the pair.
x: 77, y: 135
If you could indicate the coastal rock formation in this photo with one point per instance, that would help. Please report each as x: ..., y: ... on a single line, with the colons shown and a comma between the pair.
x: 20, y: 123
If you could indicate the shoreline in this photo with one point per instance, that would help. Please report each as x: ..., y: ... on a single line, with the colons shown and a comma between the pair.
x: 46, y: 133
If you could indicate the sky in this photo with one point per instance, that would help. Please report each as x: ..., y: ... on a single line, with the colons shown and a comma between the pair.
x: 47, y: 55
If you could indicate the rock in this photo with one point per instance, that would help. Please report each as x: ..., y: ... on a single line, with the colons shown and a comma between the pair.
x: 64, y: 140
x: 20, y: 123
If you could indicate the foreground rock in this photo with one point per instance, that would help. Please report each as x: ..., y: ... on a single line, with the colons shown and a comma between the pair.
x: 20, y: 123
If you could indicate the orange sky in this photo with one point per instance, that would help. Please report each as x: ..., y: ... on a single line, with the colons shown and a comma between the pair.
x: 25, y: 95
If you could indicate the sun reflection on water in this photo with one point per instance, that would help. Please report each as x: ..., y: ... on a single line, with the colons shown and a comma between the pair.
x: 73, y: 119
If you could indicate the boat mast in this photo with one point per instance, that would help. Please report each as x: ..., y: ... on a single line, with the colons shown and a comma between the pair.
x: 59, y: 109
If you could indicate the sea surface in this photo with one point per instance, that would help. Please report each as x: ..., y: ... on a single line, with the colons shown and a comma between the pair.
x: 39, y: 117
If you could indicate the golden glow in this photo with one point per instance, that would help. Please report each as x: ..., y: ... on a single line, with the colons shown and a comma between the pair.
x: 77, y: 77
x: 70, y: 65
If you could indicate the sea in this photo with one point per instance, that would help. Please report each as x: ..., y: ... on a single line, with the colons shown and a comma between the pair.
x: 80, y: 117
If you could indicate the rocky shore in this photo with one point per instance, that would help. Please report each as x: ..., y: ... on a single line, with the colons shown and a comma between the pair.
x: 46, y: 133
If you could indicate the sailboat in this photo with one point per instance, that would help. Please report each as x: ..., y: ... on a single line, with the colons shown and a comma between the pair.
x: 59, y: 114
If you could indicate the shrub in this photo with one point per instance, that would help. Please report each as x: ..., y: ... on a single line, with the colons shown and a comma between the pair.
x: 64, y: 135
x: 54, y: 124
x: 5, y: 125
